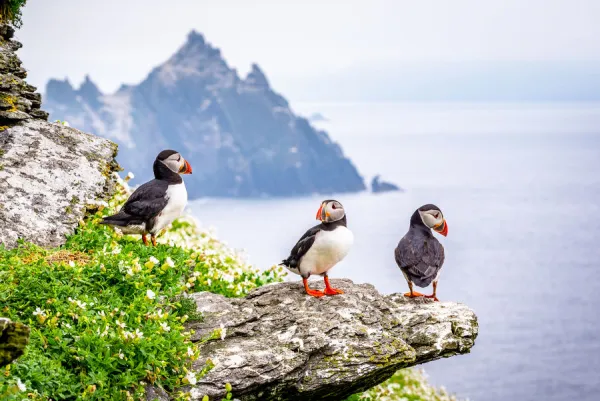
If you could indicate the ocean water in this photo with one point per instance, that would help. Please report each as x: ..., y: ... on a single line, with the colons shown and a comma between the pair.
x: 519, y: 185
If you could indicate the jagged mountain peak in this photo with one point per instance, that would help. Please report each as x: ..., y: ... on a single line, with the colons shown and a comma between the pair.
x: 257, y: 77
x: 89, y: 89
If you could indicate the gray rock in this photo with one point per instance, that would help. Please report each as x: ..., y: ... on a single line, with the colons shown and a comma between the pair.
x: 280, y: 344
x: 241, y: 137
x: 48, y: 173
x: 14, y: 337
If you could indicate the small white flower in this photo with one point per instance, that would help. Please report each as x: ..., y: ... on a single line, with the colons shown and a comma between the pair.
x: 20, y: 385
x: 39, y: 312
x: 67, y: 325
x: 188, y: 285
x: 71, y: 263
x: 130, y: 175
x: 120, y: 354
x: 139, y: 334
x: 190, y: 351
x: 120, y: 324
x: 169, y: 262
x: 102, y: 314
x: 165, y: 327
x: 154, y: 260
x: 191, y: 378
x: 116, y: 250
x: 150, y: 294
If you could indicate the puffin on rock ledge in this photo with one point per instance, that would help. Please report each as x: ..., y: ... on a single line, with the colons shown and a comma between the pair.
x: 155, y: 204
x: 322, y: 247
x: 419, y: 254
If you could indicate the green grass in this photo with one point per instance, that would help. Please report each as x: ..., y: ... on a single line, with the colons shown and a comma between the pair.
x: 405, y: 385
x: 106, y: 312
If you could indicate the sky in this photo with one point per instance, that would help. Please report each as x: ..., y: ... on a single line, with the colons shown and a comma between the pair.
x: 299, y: 44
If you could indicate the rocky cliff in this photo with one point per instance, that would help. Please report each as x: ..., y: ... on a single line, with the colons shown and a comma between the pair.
x: 241, y: 137
x: 279, y: 344
x: 48, y: 172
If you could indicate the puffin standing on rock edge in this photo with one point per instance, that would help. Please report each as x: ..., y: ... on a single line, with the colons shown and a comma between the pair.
x: 419, y: 254
x: 155, y: 204
x: 322, y: 247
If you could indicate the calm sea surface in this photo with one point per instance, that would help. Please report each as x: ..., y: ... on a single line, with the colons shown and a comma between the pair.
x: 519, y: 185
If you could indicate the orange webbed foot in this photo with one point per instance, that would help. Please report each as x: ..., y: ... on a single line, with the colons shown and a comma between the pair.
x: 315, y: 293
x: 312, y: 293
x: 432, y: 296
x: 329, y: 290
x: 413, y: 294
x: 333, y: 291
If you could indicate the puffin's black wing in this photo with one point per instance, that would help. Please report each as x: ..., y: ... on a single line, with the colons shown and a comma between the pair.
x: 301, y: 247
x: 148, y: 200
x: 145, y: 203
x: 420, y: 258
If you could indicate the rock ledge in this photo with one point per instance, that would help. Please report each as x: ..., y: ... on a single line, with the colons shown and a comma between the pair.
x: 280, y: 344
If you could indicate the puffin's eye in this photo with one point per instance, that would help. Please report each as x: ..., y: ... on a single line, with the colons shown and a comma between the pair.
x: 333, y: 206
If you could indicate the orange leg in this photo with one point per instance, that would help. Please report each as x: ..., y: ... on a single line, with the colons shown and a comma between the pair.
x: 434, y: 291
x: 412, y: 294
x: 153, y: 238
x: 145, y: 239
x: 330, y: 290
x: 313, y: 293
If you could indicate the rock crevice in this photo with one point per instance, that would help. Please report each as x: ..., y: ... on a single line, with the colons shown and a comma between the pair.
x: 279, y: 344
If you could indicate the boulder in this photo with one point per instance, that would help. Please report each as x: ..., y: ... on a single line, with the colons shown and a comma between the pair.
x: 48, y: 174
x: 280, y: 344
x: 13, y: 340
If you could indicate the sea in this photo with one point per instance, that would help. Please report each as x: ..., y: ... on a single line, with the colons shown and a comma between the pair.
x: 519, y: 185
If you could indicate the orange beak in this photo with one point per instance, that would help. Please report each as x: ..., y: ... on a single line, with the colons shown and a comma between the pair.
x: 442, y: 228
x: 186, y: 168
x: 320, y: 213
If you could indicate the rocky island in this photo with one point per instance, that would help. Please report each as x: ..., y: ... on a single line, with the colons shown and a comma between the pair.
x: 243, y: 138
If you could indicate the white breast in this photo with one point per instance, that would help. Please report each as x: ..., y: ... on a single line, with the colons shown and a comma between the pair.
x: 176, y: 200
x: 329, y: 248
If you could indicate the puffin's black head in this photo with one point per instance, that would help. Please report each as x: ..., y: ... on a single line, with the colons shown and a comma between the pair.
x: 168, y: 162
x: 330, y: 211
x: 432, y: 217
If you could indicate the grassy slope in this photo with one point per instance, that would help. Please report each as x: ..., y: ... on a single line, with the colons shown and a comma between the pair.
x: 107, y: 318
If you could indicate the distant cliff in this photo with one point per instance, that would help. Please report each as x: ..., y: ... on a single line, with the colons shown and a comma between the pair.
x: 241, y: 137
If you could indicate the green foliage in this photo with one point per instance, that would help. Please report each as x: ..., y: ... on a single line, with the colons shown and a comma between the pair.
x: 10, y: 12
x: 404, y: 385
x: 106, y: 312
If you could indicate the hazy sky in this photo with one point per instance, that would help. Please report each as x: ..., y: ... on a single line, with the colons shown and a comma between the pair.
x: 118, y: 41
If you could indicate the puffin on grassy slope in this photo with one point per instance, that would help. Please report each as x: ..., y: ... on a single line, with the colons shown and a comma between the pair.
x: 322, y: 247
x: 419, y: 254
x: 155, y: 204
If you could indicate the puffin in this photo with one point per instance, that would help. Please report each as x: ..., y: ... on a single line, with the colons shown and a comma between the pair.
x: 419, y: 254
x: 322, y: 247
x: 155, y: 204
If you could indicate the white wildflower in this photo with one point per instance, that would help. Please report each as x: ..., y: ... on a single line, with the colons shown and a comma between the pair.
x: 165, y: 327
x: 191, y: 378
x: 130, y: 175
x: 120, y: 324
x: 150, y: 294
x: 139, y: 334
x: 120, y: 354
x: 190, y: 351
x: 20, y: 385
x: 154, y: 260
x: 71, y: 263
x: 116, y: 250
x: 169, y: 262
x: 39, y: 312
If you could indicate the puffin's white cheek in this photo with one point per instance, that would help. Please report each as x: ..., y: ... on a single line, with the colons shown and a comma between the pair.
x: 429, y: 220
